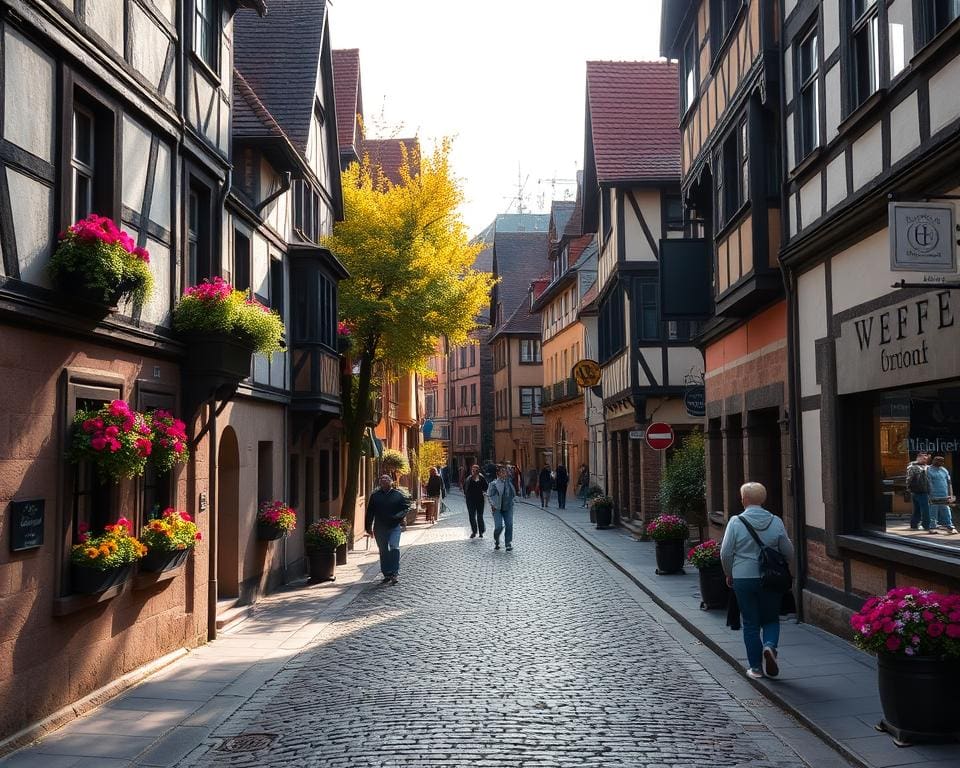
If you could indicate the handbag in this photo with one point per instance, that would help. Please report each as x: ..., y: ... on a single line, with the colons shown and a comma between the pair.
x: 774, y: 568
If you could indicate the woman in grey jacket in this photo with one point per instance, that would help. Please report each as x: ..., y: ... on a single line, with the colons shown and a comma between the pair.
x: 740, y: 555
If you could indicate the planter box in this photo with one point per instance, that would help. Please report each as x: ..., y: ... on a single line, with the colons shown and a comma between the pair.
x: 90, y: 581
x: 157, y: 562
x: 214, y: 366
x: 323, y: 565
x: 342, y: 554
x: 670, y: 556
x: 917, y: 696
x: 603, y: 516
x: 80, y: 299
x: 267, y: 532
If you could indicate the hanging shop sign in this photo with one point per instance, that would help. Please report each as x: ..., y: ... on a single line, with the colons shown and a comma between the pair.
x: 922, y: 237
x: 587, y: 373
x: 901, y: 344
x: 695, y: 401
x: 26, y: 524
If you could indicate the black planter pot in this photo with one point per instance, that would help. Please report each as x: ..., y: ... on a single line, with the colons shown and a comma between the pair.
x: 90, y: 581
x: 156, y: 561
x: 214, y: 365
x: 603, y: 516
x: 323, y: 564
x: 713, y: 587
x: 917, y: 696
x: 670, y: 556
x: 342, y: 554
x: 268, y: 532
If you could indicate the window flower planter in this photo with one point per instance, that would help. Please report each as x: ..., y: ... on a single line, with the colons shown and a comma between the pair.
x: 90, y: 581
x: 156, y: 561
x: 269, y: 532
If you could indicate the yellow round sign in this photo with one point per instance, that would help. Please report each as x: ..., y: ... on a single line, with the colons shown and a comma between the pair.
x: 587, y: 373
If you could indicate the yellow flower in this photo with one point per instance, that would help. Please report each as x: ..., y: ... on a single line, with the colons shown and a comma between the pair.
x: 91, y: 552
x: 104, y: 550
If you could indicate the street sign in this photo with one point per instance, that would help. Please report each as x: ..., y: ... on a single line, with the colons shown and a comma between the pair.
x: 659, y: 436
x: 922, y: 237
x: 587, y: 373
x: 695, y: 401
x: 636, y: 434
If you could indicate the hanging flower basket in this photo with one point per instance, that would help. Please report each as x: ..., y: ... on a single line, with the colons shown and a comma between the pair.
x: 115, y: 438
x: 275, y: 520
x: 169, y: 441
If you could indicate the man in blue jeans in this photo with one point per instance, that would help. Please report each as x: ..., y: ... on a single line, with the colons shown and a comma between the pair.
x: 919, y: 487
x: 740, y: 556
x: 502, y: 495
x: 386, y: 509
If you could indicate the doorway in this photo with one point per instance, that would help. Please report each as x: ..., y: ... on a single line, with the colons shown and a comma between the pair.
x: 228, y: 516
x: 764, y: 455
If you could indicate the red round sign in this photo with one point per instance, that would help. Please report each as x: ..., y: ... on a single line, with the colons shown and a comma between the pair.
x: 659, y: 436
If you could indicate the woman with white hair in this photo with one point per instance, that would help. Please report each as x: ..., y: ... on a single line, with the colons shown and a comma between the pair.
x: 740, y: 556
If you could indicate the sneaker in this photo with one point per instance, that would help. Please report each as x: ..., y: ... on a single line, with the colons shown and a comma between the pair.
x: 755, y: 674
x: 933, y: 531
x: 951, y: 530
x: 509, y: 547
x: 481, y: 535
x: 496, y: 545
x: 770, y: 668
x: 394, y: 580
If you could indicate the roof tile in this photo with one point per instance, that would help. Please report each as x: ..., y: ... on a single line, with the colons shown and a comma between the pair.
x: 346, y: 85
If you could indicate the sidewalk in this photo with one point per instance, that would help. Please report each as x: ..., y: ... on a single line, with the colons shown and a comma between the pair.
x: 825, y: 682
x: 171, y: 713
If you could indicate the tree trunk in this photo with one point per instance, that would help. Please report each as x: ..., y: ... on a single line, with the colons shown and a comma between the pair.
x: 359, y: 413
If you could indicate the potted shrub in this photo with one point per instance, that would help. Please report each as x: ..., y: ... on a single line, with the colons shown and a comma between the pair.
x: 100, y: 264
x: 916, y: 637
x: 669, y: 532
x: 705, y: 557
x: 347, y: 537
x: 222, y: 327
x: 601, y: 510
x: 100, y: 562
x: 169, y: 540
x: 275, y: 519
x: 115, y: 438
x: 394, y: 463
x: 683, y: 488
x: 322, y: 539
x: 169, y: 441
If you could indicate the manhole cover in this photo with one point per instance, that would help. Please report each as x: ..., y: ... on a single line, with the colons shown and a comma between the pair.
x: 248, y: 742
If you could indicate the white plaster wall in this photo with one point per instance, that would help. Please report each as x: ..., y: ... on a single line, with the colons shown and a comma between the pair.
x: 867, y: 156
x: 831, y: 26
x: 637, y: 247
x: 811, y: 202
x: 836, y: 180
x: 945, y: 96
x: 682, y: 361
x: 812, y: 470
x: 812, y: 325
x: 28, y: 96
x: 148, y: 50
x: 157, y: 308
x: 791, y: 149
x: 160, y: 201
x: 136, y: 156
x: 654, y: 360
x: 105, y: 17
x: 260, y: 267
x: 904, y: 128
x: 832, y: 102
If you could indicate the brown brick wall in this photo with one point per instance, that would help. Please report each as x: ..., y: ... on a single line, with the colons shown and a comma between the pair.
x: 770, y: 368
x: 823, y: 568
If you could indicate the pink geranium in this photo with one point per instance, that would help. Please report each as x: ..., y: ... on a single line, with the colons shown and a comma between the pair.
x: 911, y: 621
x: 169, y: 446
x: 115, y: 438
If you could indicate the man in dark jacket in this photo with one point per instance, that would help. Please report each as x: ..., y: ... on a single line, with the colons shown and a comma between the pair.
x: 562, y: 481
x: 475, y: 491
x: 386, y: 509
x: 545, y: 481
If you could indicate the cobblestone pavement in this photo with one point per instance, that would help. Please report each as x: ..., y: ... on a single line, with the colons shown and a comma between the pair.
x: 536, y: 657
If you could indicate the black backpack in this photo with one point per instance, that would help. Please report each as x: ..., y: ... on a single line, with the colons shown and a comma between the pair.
x: 774, y: 568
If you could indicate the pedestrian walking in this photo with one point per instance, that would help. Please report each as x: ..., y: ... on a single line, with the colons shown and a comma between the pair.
x: 531, y: 480
x: 435, y: 491
x: 501, y: 496
x: 490, y: 471
x: 941, y: 496
x: 515, y: 478
x: 475, y: 491
x: 386, y: 509
x: 545, y: 484
x: 919, y: 487
x: 740, y: 556
x: 562, y: 483
x: 583, y: 484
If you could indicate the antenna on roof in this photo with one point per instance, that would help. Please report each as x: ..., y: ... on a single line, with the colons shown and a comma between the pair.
x: 521, y: 189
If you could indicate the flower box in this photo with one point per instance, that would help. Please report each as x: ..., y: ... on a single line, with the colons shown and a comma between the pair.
x: 218, y: 357
x: 156, y: 561
x: 90, y: 581
x: 270, y: 532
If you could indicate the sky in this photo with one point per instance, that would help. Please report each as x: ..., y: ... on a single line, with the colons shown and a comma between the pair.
x: 504, y: 78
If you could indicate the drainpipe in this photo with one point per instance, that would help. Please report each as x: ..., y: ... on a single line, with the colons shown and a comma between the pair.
x: 214, y: 525
x: 796, y: 441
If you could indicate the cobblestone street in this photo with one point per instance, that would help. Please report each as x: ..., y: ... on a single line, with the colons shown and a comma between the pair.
x: 538, y: 657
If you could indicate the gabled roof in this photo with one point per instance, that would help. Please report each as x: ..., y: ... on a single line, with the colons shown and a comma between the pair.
x: 387, y: 155
x: 633, y: 120
x: 522, y: 222
x: 484, y: 260
x: 519, y: 258
x: 279, y: 55
x: 521, y: 323
x: 252, y: 122
x: 574, y: 226
x: 349, y: 98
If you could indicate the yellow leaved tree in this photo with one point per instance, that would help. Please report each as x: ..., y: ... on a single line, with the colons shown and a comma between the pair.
x: 411, y: 278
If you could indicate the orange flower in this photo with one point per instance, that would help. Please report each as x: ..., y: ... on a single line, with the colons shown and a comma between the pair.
x: 91, y: 552
x: 104, y: 550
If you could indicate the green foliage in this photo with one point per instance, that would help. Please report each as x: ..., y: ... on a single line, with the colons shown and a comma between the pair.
x: 394, y: 461
x: 114, y: 548
x: 327, y: 534
x: 683, y: 488
x: 108, y: 268
x: 218, y: 309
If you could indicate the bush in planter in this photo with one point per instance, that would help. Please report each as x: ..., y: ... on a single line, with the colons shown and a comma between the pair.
x: 117, y: 439
x: 278, y: 515
x: 705, y: 555
x: 395, y: 462
x: 683, y: 489
x: 326, y: 534
x: 105, y: 259
x: 601, y: 509
x: 909, y: 622
x: 214, y: 307
x: 169, y: 441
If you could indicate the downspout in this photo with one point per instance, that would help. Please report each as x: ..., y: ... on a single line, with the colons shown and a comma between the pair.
x: 214, y: 525
x: 796, y: 444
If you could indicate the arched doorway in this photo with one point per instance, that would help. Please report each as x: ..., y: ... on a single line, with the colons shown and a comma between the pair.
x: 228, y: 516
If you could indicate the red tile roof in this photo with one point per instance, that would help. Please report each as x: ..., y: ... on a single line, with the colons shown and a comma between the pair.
x: 633, y: 112
x: 387, y: 155
x: 349, y: 102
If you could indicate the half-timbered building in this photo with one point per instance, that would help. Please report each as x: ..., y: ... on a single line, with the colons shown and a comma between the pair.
x: 631, y: 200
x: 729, y: 95
x: 871, y: 118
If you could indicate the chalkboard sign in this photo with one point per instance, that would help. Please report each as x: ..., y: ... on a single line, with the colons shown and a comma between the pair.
x: 26, y: 524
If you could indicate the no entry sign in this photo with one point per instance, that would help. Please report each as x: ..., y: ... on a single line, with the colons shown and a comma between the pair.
x: 659, y: 436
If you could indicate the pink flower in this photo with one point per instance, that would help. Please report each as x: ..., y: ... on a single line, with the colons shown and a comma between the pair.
x: 893, y: 643
x: 113, y: 444
x: 186, y: 516
x: 89, y: 426
x: 164, y: 443
x: 953, y: 631
x: 927, y: 616
x: 178, y: 447
x: 119, y: 409
x: 98, y: 443
x: 142, y: 254
x: 144, y: 447
x: 111, y: 431
x: 935, y: 629
x: 125, y: 523
x: 198, y: 536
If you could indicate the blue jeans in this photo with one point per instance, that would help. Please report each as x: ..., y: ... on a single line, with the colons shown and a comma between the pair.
x: 921, y: 510
x: 503, y: 523
x: 388, y: 542
x: 760, y: 614
x: 940, y: 513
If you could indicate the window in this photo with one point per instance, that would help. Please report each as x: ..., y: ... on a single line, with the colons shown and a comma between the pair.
x: 723, y: 13
x: 205, y: 31
x: 276, y: 285
x: 82, y: 162
x: 307, y: 221
x: 610, y: 327
x: 647, y: 311
x: 463, y: 357
x: 530, y: 351
x: 605, y: 212
x: 473, y: 355
x: 241, y: 261
x: 473, y: 434
x: 689, y: 82
x: 453, y: 398
x: 900, y: 26
x: 864, y: 49
x: 156, y: 488
x: 937, y: 16
x: 199, y: 232
x: 314, y: 304
x: 473, y: 395
x: 530, y: 401
x: 463, y: 396
x: 673, y: 213
x: 808, y: 69
x: 91, y: 153
x: 682, y: 330
x: 733, y: 176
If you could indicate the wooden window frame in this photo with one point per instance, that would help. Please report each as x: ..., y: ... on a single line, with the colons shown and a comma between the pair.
x: 867, y: 26
x: 212, y: 38
x: 927, y: 27
x: 203, y: 263
x: 805, y: 83
x: 151, y: 396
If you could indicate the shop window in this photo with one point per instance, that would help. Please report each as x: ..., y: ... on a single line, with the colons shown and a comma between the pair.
x: 864, y: 50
